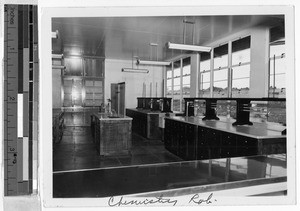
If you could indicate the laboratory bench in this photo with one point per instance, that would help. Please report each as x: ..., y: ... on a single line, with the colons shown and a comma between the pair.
x: 112, y: 134
x: 193, y: 138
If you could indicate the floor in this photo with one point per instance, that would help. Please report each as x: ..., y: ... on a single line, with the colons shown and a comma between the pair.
x: 76, y: 151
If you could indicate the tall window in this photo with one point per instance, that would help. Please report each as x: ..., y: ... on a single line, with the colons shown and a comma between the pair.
x: 220, y: 82
x: 226, y: 84
x: 169, y: 81
x: 204, y: 86
x: 178, y: 82
x: 241, y: 67
x: 176, y: 86
x: 277, y: 63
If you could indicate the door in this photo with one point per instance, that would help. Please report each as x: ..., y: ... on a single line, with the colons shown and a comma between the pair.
x: 122, y: 98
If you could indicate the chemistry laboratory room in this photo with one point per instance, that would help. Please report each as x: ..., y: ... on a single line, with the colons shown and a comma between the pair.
x: 169, y: 106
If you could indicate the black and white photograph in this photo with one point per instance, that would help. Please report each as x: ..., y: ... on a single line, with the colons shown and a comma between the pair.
x: 148, y: 106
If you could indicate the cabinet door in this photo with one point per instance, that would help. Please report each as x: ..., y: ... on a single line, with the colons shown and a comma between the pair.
x: 176, y: 137
x: 246, y: 146
x: 202, y: 144
x: 214, y: 142
x: 228, y: 145
x: 182, y: 142
x: 168, y: 134
x: 191, y: 139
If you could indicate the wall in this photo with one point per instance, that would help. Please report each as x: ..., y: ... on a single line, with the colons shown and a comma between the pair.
x: 133, y: 81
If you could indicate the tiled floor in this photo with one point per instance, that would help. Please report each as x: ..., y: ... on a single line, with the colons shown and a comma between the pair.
x: 77, y: 151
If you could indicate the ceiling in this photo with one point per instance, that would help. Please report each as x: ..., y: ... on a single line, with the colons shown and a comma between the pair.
x: 125, y: 37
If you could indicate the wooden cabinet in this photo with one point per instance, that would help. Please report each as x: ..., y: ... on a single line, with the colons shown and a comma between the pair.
x: 202, y: 151
x: 112, y: 135
x: 228, y: 146
x: 246, y: 146
x: 145, y: 123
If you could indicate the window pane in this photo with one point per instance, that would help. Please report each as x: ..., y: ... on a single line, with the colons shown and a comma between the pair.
x: 277, y: 62
x: 279, y: 84
x: 186, y: 90
x: 242, y: 71
x: 240, y: 87
x: 277, y: 50
x: 220, y: 89
x: 241, y: 44
x: 205, y: 66
x: 186, y: 70
x: 177, y: 72
x: 186, y: 66
x: 220, y: 75
x: 169, y: 82
x: 169, y: 90
x: 176, y: 90
x: 220, y: 62
x: 280, y: 65
x: 240, y: 57
x: 205, y: 77
x: 169, y: 74
x: 176, y: 69
x: 176, y: 81
x: 186, y: 80
x: 240, y: 83
x: 205, y: 90
x: 221, y: 56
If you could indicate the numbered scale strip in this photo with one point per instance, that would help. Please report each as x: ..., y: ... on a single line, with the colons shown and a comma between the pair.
x: 20, y: 99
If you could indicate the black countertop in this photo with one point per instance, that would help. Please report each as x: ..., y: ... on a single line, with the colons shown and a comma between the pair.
x: 257, y: 130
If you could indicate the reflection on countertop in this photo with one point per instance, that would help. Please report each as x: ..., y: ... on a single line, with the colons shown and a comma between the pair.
x: 172, y: 179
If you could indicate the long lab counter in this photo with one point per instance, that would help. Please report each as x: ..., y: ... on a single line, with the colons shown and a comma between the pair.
x: 193, y: 138
x: 145, y: 122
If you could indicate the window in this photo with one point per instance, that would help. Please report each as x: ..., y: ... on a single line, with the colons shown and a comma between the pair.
x: 186, y: 77
x: 169, y: 81
x: 178, y: 82
x: 220, y: 82
x: 277, y: 63
x: 241, y: 67
x: 226, y: 84
x: 204, y: 87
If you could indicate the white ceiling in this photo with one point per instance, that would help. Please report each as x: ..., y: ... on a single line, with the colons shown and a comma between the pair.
x: 124, y: 37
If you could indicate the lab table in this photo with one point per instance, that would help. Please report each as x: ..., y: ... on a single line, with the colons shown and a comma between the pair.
x: 193, y: 138
x: 112, y: 134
